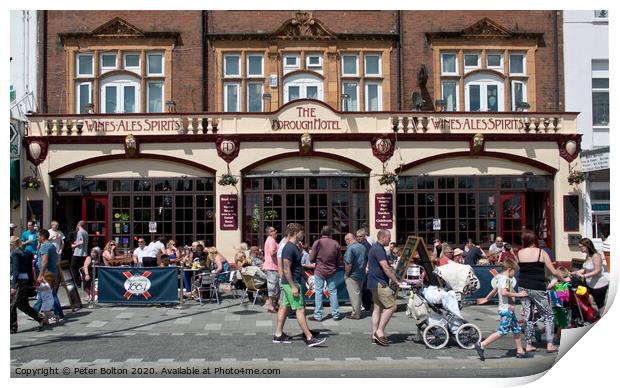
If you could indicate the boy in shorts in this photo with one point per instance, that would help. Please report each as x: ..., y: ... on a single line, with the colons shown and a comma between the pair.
x: 505, y: 283
x: 292, y: 297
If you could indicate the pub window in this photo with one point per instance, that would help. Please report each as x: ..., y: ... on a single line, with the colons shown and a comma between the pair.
x: 155, y: 96
x: 372, y: 65
x: 231, y: 97
x: 484, y: 93
x: 600, y: 93
x: 517, y: 64
x: 372, y: 96
x: 155, y: 64
x: 120, y: 94
x: 518, y: 94
x: 231, y: 65
x: 471, y: 61
x: 85, y: 65
x: 349, y: 65
x: 449, y: 95
x: 571, y: 213
x: 352, y: 101
x: 254, y: 65
x: 84, y: 96
x: 449, y: 64
x: 495, y: 61
x: 255, y: 97
x: 108, y: 62
x: 314, y: 62
x: 132, y: 62
x: 291, y: 62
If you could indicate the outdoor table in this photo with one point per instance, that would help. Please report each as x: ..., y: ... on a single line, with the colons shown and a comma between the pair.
x: 189, y: 277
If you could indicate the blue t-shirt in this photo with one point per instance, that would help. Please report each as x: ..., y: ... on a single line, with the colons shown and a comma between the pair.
x: 48, y: 249
x: 291, y: 254
x: 356, y: 256
x: 375, y: 272
x: 30, y: 246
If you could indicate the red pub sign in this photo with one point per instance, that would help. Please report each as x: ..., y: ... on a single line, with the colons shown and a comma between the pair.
x: 229, y: 205
x: 383, y: 211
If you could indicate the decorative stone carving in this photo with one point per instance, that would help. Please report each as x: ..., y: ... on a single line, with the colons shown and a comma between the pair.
x: 486, y: 27
x: 382, y: 148
x: 117, y: 26
x: 227, y: 147
x: 303, y: 25
x: 131, y: 146
x: 305, y: 144
x: 477, y: 143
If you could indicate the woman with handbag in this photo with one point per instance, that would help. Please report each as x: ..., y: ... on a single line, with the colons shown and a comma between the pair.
x: 22, y: 284
x: 532, y: 279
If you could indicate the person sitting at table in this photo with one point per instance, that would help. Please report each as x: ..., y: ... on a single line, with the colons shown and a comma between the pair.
x: 164, y: 261
x: 305, y: 257
x: 139, y: 252
x: 474, y: 253
x: 507, y: 254
x: 109, y: 253
x: 237, y: 281
x: 220, y: 265
x: 256, y: 256
x: 258, y: 276
x: 446, y: 255
x: 172, y: 251
x: 88, y: 270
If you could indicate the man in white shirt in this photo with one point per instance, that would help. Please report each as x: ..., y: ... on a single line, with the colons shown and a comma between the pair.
x: 57, y: 238
x: 140, y: 252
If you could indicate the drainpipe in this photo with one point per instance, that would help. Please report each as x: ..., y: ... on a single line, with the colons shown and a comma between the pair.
x: 557, y: 60
x: 44, y: 65
x: 205, y: 62
x: 400, y: 58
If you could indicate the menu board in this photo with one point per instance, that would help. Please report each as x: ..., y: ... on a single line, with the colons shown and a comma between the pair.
x: 229, y: 205
x: 571, y: 213
x: 383, y: 211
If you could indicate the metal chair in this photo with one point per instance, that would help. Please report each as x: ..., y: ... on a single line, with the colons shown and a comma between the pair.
x: 251, y: 286
x: 207, y: 282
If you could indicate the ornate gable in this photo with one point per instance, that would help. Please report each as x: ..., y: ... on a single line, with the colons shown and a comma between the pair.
x: 486, y: 28
x: 303, y: 26
x: 117, y: 27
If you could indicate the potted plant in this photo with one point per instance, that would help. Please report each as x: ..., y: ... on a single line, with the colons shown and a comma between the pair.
x: 575, y: 177
x: 228, y: 180
x: 388, y: 178
x: 31, y: 182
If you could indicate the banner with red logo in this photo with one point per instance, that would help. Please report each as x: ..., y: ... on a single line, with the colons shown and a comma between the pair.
x: 148, y: 285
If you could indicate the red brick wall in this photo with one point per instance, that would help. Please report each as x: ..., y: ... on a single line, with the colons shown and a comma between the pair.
x: 187, y: 58
x: 416, y: 52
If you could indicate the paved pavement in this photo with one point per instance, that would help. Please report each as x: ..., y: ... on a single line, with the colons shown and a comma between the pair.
x: 106, y: 339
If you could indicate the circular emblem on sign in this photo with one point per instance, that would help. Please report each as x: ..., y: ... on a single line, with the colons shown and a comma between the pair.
x: 137, y: 284
x: 228, y: 147
x: 383, y: 146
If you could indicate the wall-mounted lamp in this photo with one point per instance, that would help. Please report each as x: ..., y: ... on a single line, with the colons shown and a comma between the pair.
x: 90, y: 108
x: 440, y: 105
x: 345, y: 102
x: 522, y: 106
x: 171, y: 105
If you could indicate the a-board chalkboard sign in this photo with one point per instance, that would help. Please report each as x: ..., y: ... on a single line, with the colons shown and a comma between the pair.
x: 571, y: 213
x: 412, y: 246
x: 66, y: 281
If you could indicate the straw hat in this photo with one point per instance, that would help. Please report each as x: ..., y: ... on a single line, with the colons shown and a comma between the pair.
x: 458, y: 252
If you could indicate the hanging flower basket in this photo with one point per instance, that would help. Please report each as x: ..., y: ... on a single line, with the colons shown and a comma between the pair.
x: 576, y: 177
x: 31, y: 182
x: 227, y: 180
x: 388, y: 178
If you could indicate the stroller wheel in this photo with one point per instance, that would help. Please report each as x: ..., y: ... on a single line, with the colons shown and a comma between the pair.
x: 468, y: 335
x: 435, y: 336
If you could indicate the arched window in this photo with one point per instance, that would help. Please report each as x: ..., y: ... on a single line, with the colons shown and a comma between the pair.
x: 303, y: 85
x: 484, y: 93
x: 120, y: 94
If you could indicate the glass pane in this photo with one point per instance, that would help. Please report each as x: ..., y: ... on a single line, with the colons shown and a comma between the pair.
x: 110, y: 99
x: 600, y: 83
x: 600, y: 108
x: 350, y: 88
x: 84, y: 97
x: 518, y: 93
x: 349, y: 64
x: 312, y: 92
x: 474, y: 98
x: 487, y: 182
x: 314, y: 60
x: 155, y: 63
x: 85, y: 64
x: 471, y: 60
x: 108, y: 60
x: 129, y: 99
x: 132, y: 60
x: 372, y: 93
x: 449, y: 96
x: 372, y: 64
x: 516, y: 63
x: 156, y: 96
x: 290, y: 61
x: 494, y: 60
x: 231, y: 65
x: 255, y: 65
x: 492, y: 100
x: 232, y: 97
x: 293, y: 93
x: 255, y: 97
x: 449, y: 63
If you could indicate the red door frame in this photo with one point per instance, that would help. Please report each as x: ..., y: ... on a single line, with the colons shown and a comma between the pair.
x: 104, y: 201
x: 504, y: 196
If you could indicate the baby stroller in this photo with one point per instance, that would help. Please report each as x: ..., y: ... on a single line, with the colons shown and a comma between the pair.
x: 580, y: 308
x: 438, y: 316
